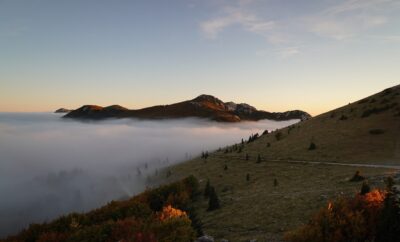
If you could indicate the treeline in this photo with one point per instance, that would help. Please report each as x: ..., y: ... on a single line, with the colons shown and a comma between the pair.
x: 162, y: 214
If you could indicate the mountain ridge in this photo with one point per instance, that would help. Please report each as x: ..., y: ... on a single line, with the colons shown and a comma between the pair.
x: 203, y: 106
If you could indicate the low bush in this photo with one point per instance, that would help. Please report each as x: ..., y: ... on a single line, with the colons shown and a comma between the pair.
x: 357, y: 177
x: 376, y: 131
x: 312, y: 146
x: 377, y: 110
x: 372, y: 216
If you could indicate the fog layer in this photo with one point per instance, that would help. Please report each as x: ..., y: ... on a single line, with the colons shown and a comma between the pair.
x: 50, y: 166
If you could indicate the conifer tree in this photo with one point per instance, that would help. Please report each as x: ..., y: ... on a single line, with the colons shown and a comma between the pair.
x: 365, y: 188
x: 207, y: 189
x: 275, y: 182
x: 213, y: 203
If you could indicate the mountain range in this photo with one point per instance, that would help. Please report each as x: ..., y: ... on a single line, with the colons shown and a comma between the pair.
x: 203, y: 106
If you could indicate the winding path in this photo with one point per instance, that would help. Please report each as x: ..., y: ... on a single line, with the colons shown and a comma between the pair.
x: 348, y: 164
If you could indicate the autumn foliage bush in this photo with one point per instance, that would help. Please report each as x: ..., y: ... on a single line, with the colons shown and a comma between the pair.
x: 156, y: 215
x: 356, y: 219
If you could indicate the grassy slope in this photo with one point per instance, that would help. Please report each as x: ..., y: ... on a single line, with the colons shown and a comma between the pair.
x: 342, y: 140
x: 257, y: 209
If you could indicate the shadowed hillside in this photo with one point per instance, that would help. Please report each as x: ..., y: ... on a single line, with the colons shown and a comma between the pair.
x: 203, y: 106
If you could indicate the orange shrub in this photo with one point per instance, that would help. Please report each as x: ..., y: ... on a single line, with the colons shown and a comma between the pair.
x: 346, y: 219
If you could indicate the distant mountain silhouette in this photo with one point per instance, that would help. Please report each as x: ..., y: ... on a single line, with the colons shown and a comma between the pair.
x: 203, y: 106
x: 62, y: 110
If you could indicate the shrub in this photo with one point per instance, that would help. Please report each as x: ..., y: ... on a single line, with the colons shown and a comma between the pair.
x: 343, y: 117
x: 377, y: 110
x: 275, y: 182
x: 365, y: 188
x: 204, y: 155
x: 213, y: 203
x: 376, y: 131
x: 197, y: 224
x: 253, y: 137
x: 312, y: 146
x: 247, y: 177
x: 134, y: 219
x: 346, y: 219
x: 357, y: 177
x: 365, y: 100
x: 258, y: 158
x: 386, y: 92
x: 278, y: 136
x: 207, y: 189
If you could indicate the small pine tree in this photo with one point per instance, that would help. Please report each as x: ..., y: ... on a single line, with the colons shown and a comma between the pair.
x: 247, y: 156
x: 268, y: 144
x: 207, y: 189
x: 259, y: 158
x: 275, y: 182
x: 196, y: 222
x: 242, y: 141
x: 278, y: 136
x: 225, y: 167
x: 357, y: 177
x: 312, y: 146
x: 213, y: 203
x: 248, y: 177
x: 365, y: 188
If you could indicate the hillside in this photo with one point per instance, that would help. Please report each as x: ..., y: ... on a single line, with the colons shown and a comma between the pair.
x: 157, y: 215
x: 203, y: 106
x: 367, y: 131
x: 264, y: 193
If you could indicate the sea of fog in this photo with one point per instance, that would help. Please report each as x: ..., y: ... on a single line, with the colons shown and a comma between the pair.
x: 50, y: 166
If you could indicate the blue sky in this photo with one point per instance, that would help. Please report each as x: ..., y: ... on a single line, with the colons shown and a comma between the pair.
x: 274, y: 54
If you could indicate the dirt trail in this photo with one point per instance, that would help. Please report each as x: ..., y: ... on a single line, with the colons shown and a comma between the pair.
x: 348, y: 164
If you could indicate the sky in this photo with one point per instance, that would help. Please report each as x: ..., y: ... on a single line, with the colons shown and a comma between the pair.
x: 276, y: 55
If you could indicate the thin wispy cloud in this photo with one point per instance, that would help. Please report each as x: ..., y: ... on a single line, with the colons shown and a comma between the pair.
x: 340, y: 21
x: 236, y: 16
x: 349, y: 18
x: 288, y: 52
